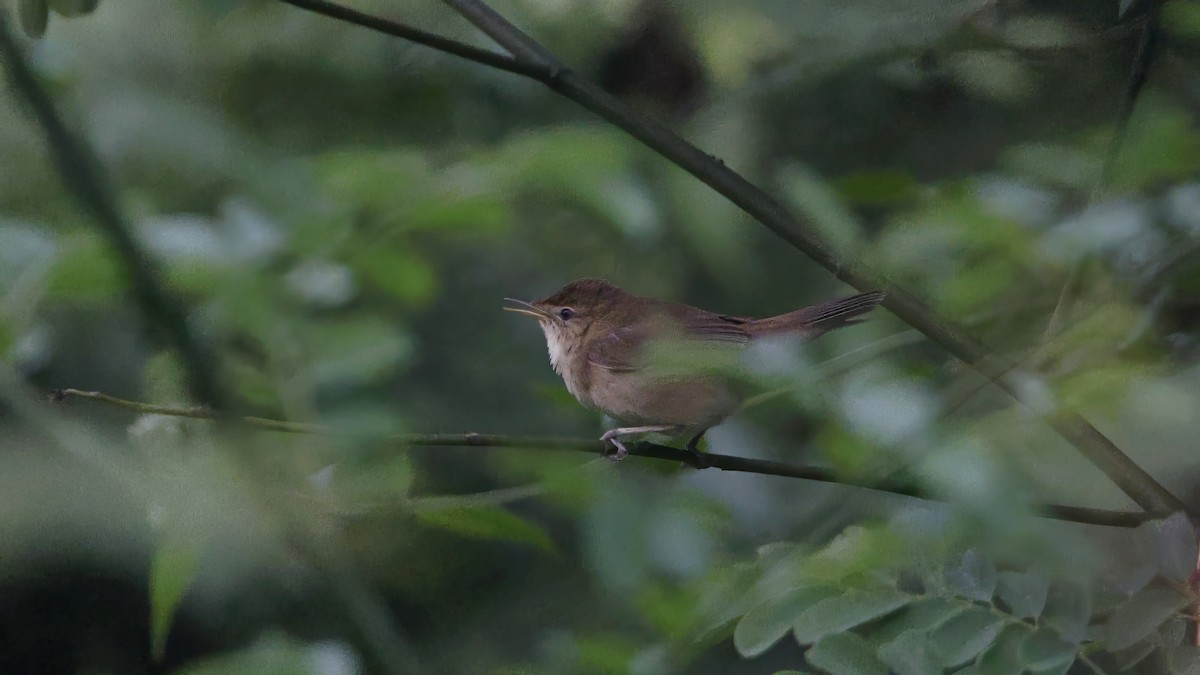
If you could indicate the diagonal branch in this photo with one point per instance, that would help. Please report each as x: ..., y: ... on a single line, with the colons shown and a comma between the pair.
x: 1075, y: 514
x: 1149, y: 40
x: 1140, y: 486
x: 80, y: 172
x: 438, y: 42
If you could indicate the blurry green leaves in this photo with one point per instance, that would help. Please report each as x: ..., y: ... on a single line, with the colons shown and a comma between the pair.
x: 996, y: 74
x: 827, y: 210
x: 400, y: 273
x: 965, y: 615
x: 34, y: 15
x: 1161, y: 144
x: 973, y: 577
x: 483, y: 522
x: 845, y: 654
x: 767, y: 623
x: 27, y: 256
x: 963, y: 636
x: 1173, y: 541
x: 585, y: 167
x: 845, y: 611
x: 879, y: 188
x: 1067, y: 610
x: 1182, y: 18
x: 1141, y: 616
x: 174, y: 564
x: 87, y: 269
x: 957, y: 250
x: 1024, y: 593
x: 356, y: 351
x: 1062, y: 166
x: 399, y: 191
x: 277, y: 654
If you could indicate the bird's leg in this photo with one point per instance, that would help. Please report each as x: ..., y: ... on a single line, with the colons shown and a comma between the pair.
x: 703, y: 461
x: 610, y: 436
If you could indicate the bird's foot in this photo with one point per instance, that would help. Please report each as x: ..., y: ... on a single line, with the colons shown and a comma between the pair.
x: 700, y: 459
x: 611, y: 435
x: 618, y: 452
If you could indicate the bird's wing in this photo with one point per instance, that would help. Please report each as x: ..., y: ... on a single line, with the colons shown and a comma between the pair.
x: 617, y: 351
x: 620, y: 350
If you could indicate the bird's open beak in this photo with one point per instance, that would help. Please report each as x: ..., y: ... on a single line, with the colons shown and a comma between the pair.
x: 527, y: 309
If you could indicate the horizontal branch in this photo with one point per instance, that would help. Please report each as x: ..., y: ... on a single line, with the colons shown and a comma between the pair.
x: 1075, y: 514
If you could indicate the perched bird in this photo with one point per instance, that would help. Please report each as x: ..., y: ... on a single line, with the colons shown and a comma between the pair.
x: 655, y: 365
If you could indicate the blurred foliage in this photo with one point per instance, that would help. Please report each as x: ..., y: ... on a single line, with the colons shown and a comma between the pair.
x: 342, y: 213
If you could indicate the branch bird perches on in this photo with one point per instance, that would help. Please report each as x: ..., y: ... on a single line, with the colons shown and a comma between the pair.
x: 765, y: 467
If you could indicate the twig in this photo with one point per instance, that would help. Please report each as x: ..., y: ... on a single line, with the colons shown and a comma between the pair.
x: 80, y: 172
x: 438, y: 42
x: 1139, y: 70
x: 1073, y: 514
x: 1140, y: 486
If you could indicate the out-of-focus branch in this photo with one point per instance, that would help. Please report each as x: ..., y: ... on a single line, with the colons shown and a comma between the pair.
x: 438, y: 42
x: 1139, y: 71
x: 1074, y: 514
x: 81, y: 173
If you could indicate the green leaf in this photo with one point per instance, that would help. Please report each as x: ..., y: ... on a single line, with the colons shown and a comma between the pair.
x: 460, y: 212
x: 272, y: 655
x: 1003, y: 657
x: 1044, y: 650
x: 962, y: 637
x: 376, y: 478
x: 910, y: 654
x: 400, y: 273
x: 879, y: 188
x: 34, y: 15
x: 1054, y: 165
x: 1141, y: 616
x: 1023, y: 592
x: 723, y: 597
x: 843, y: 612
x: 767, y: 623
x: 1182, y: 18
x: 845, y: 654
x: 1161, y: 144
x: 974, y: 577
x: 357, y: 351
x: 922, y: 616
x: 73, y: 7
x: 171, y: 572
x: 486, y: 522
x: 1068, y: 610
x: 1131, y: 656
x: 1173, y: 542
x: 87, y: 269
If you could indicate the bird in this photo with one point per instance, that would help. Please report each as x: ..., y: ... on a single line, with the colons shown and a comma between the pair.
x: 656, y: 365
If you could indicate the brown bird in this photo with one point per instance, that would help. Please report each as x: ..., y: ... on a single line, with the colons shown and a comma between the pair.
x: 660, y: 366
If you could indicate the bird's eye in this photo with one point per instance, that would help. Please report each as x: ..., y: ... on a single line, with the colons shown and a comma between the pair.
x: 566, y: 313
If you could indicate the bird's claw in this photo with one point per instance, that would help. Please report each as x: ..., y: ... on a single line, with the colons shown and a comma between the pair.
x: 619, y: 450
x: 700, y: 460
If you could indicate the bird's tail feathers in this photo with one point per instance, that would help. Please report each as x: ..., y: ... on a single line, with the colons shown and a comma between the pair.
x: 822, y: 318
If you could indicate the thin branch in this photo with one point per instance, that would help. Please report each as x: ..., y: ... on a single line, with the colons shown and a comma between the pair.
x: 1139, y: 71
x: 1075, y: 514
x: 1140, y: 486
x: 80, y: 172
x: 438, y: 42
